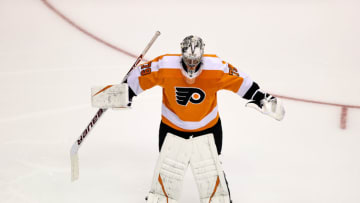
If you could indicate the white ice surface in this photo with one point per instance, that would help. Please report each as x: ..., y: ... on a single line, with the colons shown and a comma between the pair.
x: 307, y: 49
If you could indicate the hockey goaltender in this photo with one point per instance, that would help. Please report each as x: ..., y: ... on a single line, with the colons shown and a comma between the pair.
x: 190, y: 129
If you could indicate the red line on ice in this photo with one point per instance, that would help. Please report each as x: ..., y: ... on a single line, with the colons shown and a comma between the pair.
x: 317, y: 102
x: 51, y: 7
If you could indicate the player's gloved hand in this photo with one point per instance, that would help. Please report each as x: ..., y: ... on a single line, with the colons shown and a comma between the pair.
x: 131, y: 95
x: 269, y: 105
x: 111, y: 96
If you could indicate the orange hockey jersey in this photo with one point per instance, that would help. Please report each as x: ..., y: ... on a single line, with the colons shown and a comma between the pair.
x: 186, y: 107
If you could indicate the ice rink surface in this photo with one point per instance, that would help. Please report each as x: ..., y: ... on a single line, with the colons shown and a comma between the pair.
x: 306, y: 49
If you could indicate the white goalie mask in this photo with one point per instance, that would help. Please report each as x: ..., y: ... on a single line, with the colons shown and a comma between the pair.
x: 192, y: 50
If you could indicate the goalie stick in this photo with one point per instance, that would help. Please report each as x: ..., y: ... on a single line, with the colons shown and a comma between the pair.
x: 75, y: 147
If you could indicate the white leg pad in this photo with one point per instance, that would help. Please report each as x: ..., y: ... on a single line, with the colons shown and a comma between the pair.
x: 171, y: 167
x: 174, y: 158
x: 155, y: 198
x: 217, y: 199
x: 208, y: 172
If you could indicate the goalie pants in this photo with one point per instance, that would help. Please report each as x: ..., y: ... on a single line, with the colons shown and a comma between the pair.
x: 216, y: 130
x: 199, y: 150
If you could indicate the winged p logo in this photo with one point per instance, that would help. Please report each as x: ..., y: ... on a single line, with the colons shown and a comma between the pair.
x: 184, y: 95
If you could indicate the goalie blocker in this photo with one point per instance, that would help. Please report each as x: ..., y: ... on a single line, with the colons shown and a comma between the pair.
x: 111, y: 96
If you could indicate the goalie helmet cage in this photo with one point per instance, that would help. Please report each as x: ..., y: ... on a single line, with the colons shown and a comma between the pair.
x: 75, y: 147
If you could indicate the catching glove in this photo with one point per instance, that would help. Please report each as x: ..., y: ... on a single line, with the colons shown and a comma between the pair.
x: 269, y: 105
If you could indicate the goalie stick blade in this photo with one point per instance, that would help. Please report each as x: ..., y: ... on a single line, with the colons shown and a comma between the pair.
x: 76, y: 146
x: 74, y: 162
x: 74, y: 167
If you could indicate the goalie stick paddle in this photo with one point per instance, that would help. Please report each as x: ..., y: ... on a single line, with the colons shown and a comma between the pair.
x: 75, y: 147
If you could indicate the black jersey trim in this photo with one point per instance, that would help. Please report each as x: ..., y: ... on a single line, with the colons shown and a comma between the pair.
x: 216, y: 130
x: 252, y: 90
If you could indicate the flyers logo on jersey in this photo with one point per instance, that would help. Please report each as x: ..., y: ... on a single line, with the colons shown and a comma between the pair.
x: 184, y: 95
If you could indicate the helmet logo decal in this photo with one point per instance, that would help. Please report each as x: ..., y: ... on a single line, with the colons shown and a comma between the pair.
x: 193, y: 46
x: 186, y: 94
